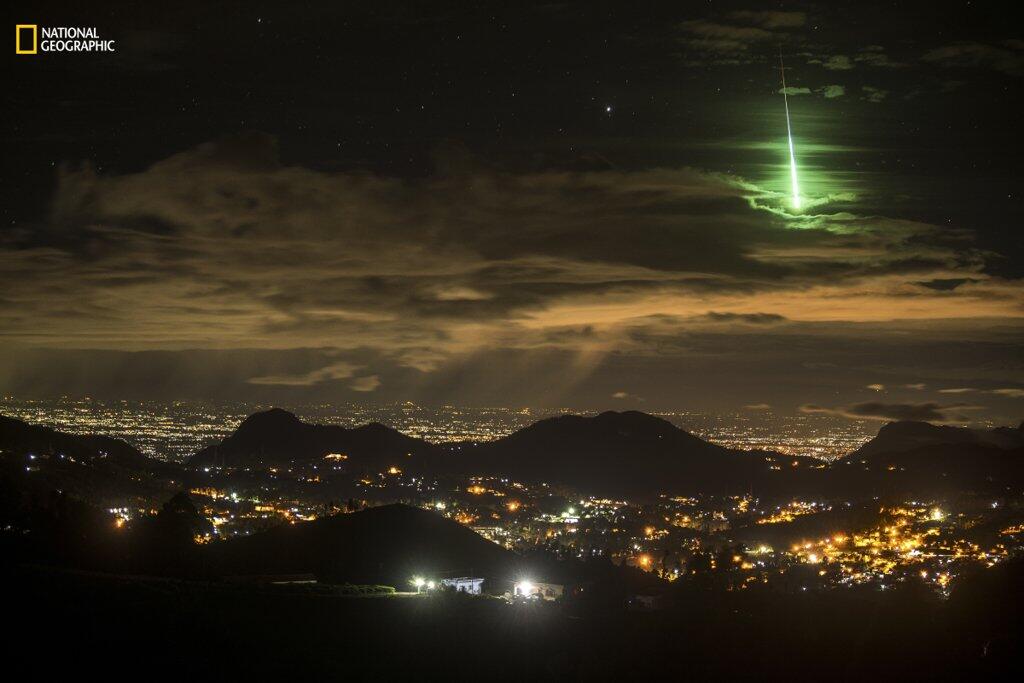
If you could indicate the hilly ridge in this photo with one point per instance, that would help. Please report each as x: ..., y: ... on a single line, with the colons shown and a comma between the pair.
x: 628, y: 452
x: 389, y: 543
x: 277, y: 436
x: 640, y: 455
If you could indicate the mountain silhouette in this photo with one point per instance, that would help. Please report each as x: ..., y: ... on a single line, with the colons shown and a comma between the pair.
x: 277, y: 436
x: 390, y: 543
x: 21, y: 438
x: 625, y: 453
x: 94, y: 468
x: 895, y: 437
x: 926, y: 460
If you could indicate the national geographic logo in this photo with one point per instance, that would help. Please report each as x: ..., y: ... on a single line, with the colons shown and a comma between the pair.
x: 31, y: 39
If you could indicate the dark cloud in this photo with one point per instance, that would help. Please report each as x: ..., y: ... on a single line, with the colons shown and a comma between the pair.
x: 228, y: 246
x: 873, y: 94
x: 751, y: 318
x: 770, y: 19
x: 1007, y: 57
x: 834, y: 62
x: 873, y: 410
x: 876, y: 56
x: 329, y: 373
x: 738, y: 37
x: 223, y: 246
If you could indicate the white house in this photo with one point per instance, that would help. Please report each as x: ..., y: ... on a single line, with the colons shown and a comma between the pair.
x: 464, y: 584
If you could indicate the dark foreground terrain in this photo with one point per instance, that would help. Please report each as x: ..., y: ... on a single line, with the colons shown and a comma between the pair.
x: 96, y: 624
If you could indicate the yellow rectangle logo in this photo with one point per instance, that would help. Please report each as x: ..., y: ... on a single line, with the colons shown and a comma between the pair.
x: 19, y: 45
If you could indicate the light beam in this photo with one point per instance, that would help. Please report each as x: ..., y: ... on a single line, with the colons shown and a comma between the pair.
x: 789, y: 135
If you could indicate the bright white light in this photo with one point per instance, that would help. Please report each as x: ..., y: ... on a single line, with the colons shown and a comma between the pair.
x: 431, y: 585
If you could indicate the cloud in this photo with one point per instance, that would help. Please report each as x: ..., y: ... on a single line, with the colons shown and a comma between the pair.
x: 1007, y: 58
x: 1012, y: 392
x: 834, y: 63
x: 873, y: 410
x: 405, y: 278
x: 830, y: 92
x: 365, y: 384
x: 875, y: 56
x: 792, y: 90
x: 722, y: 40
x: 330, y: 373
x: 771, y: 19
x: 736, y: 40
x: 876, y: 387
x: 873, y: 94
x: 917, y: 386
x: 957, y: 390
x: 749, y: 318
x: 758, y: 406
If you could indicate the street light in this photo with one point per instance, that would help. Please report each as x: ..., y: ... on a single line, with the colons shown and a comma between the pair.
x: 418, y: 582
x: 525, y: 589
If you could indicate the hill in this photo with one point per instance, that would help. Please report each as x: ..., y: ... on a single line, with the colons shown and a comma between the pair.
x: 277, y: 436
x: 99, y: 469
x: 388, y: 544
x: 896, y: 437
x: 629, y: 453
x: 21, y: 438
x: 932, y: 461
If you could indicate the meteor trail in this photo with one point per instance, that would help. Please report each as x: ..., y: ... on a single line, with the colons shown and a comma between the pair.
x: 789, y: 134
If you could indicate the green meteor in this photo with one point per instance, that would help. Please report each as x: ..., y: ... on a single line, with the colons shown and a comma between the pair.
x: 789, y: 134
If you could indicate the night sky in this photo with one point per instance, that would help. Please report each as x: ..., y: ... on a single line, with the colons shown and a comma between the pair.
x: 581, y: 205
